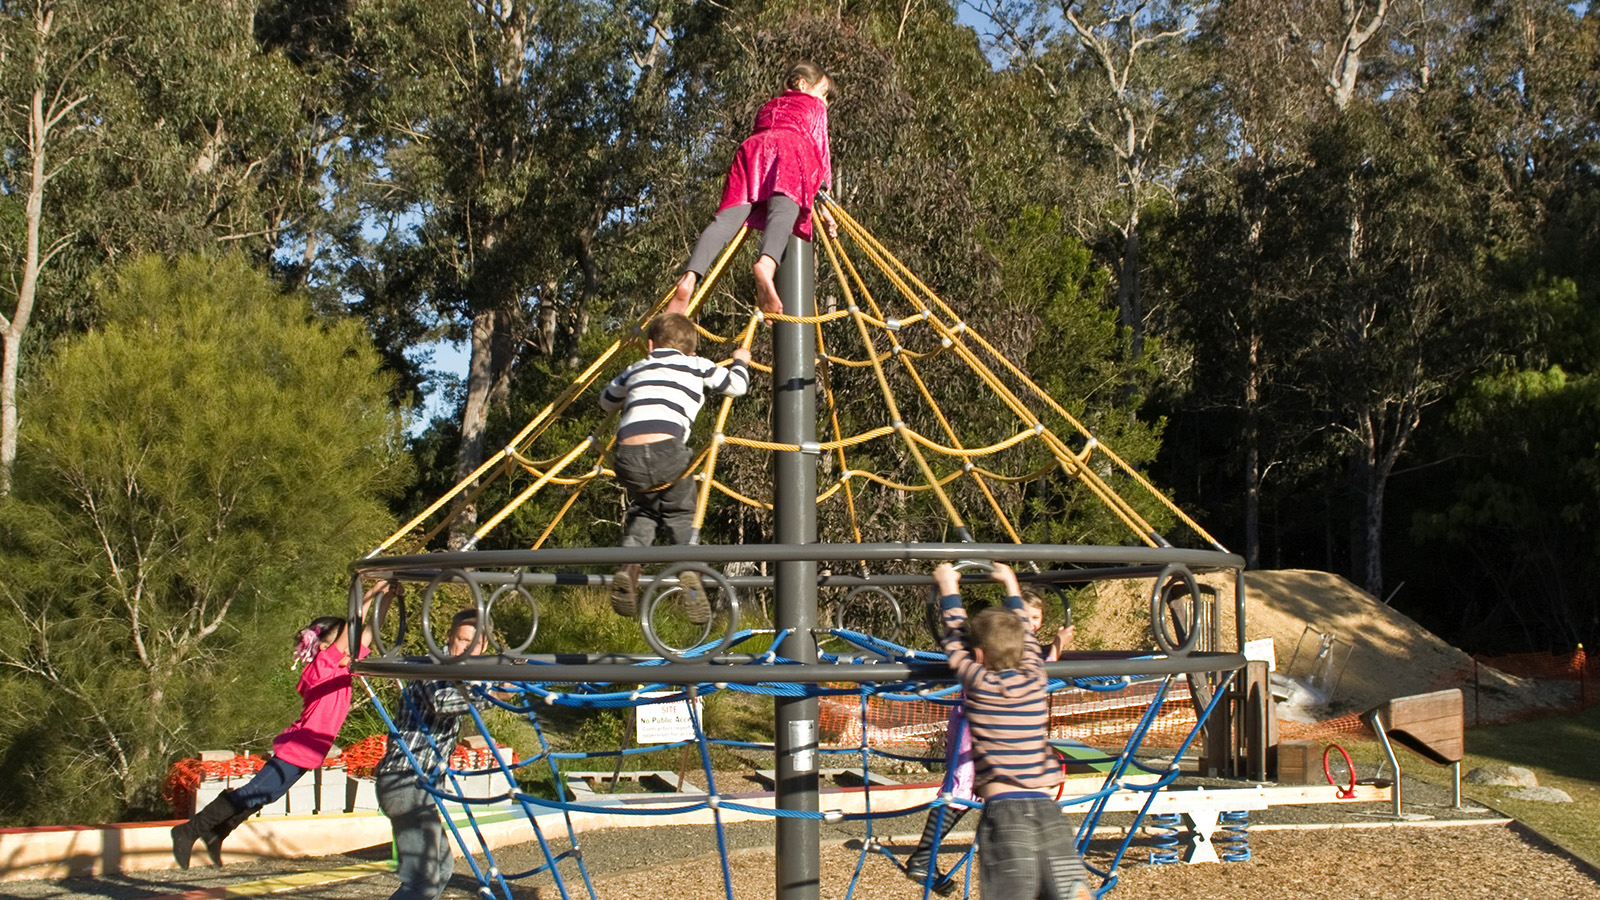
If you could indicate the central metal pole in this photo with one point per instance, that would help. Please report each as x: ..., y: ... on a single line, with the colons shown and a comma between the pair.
x: 794, y: 512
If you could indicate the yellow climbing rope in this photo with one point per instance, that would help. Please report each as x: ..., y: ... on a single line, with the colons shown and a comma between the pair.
x: 882, y: 350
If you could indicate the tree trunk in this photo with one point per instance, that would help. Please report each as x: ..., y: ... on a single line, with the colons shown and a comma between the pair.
x: 1252, y: 455
x: 8, y: 405
x: 474, y: 419
x: 27, y: 290
x: 1129, y: 302
x: 1366, y: 531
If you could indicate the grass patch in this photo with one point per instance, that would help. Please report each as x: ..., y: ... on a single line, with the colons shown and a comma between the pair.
x: 1559, y: 750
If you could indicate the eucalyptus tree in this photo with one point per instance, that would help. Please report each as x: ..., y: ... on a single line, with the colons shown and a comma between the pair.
x: 495, y: 141
x: 1123, y: 75
x: 1511, y: 504
x: 128, y: 129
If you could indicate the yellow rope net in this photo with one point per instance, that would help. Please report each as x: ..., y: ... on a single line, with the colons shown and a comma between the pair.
x: 940, y: 459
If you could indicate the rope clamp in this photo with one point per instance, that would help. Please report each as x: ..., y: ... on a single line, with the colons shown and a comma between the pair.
x: 898, y: 425
x: 892, y: 324
x: 811, y: 447
x: 1038, y: 428
x: 833, y: 816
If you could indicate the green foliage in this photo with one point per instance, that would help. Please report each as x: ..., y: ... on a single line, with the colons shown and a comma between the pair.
x: 1522, y: 510
x: 1076, y: 354
x: 195, y: 476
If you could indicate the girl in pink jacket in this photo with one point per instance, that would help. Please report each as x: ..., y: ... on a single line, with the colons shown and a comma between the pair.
x: 324, y: 689
x: 771, y: 185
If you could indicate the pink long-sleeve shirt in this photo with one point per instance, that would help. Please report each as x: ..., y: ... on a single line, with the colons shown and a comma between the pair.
x: 786, y: 154
x: 325, y: 688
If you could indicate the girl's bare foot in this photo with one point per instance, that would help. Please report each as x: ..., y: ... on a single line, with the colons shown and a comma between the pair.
x: 682, y: 293
x: 767, y: 292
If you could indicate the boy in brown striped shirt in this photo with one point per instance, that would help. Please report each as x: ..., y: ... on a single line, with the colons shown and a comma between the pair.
x: 1025, y: 849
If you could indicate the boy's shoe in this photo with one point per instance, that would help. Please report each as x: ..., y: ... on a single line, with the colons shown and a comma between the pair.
x: 625, y: 591
x: 695, y: 603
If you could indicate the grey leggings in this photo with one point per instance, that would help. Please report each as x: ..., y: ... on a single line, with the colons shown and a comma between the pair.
x: 782, y: 213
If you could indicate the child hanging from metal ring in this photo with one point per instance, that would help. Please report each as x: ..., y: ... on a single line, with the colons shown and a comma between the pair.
x: 325, y: 689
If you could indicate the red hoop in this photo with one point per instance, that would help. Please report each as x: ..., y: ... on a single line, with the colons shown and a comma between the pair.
x: 1348, y: 793
x: 1062, y: 787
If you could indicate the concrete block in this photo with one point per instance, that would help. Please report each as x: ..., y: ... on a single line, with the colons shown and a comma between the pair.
x: 361, y: 794
x: 331, y: 790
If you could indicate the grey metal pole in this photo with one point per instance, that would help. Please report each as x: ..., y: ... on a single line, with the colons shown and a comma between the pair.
x: 794, y: 512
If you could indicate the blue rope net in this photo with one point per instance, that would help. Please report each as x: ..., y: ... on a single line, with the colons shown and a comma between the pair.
x: 566, y: 868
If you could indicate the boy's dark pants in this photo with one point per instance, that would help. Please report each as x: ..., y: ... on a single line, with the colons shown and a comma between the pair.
x: 1025, y: 850
x: 641, y: 467
x: 425, y: 852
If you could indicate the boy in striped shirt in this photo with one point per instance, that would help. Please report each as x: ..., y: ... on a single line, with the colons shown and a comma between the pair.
x: 1025, y: 849
x: 660, y: 396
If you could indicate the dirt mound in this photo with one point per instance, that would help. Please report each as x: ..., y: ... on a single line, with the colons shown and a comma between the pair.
x: 1378, y: 653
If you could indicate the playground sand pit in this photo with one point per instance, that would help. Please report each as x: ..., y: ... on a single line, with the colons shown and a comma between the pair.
x: 1487, y: 861
x: 1390, y: 655
x: 1479, y: 861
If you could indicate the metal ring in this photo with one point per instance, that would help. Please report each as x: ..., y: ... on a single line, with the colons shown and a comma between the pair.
x: 533, y: 609
x: 664, y: 585
x: 464, y: 577
x: 1327, y: 769
x: 352, y: 635
x: 1060, y: 595
x: 379, y: 619
x: 842, y: 611
x: 1161, y: 600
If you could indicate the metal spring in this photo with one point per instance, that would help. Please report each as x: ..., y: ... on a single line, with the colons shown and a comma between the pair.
x: 1167, y: 828
x: 1233, y: 838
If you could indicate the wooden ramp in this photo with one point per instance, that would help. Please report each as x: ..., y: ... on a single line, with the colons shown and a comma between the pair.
x: 1432, y: 726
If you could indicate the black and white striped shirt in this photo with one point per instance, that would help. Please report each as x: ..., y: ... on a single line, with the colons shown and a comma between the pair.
x: 662, y: 393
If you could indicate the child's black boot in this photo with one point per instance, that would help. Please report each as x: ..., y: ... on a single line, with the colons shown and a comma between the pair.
x: 201, y: 825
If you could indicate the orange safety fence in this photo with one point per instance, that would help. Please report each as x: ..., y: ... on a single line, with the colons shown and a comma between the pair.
x: 1096, y: 718
x: 1572, y: 666
x: 1107, y: 720
x: 358, y: 760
